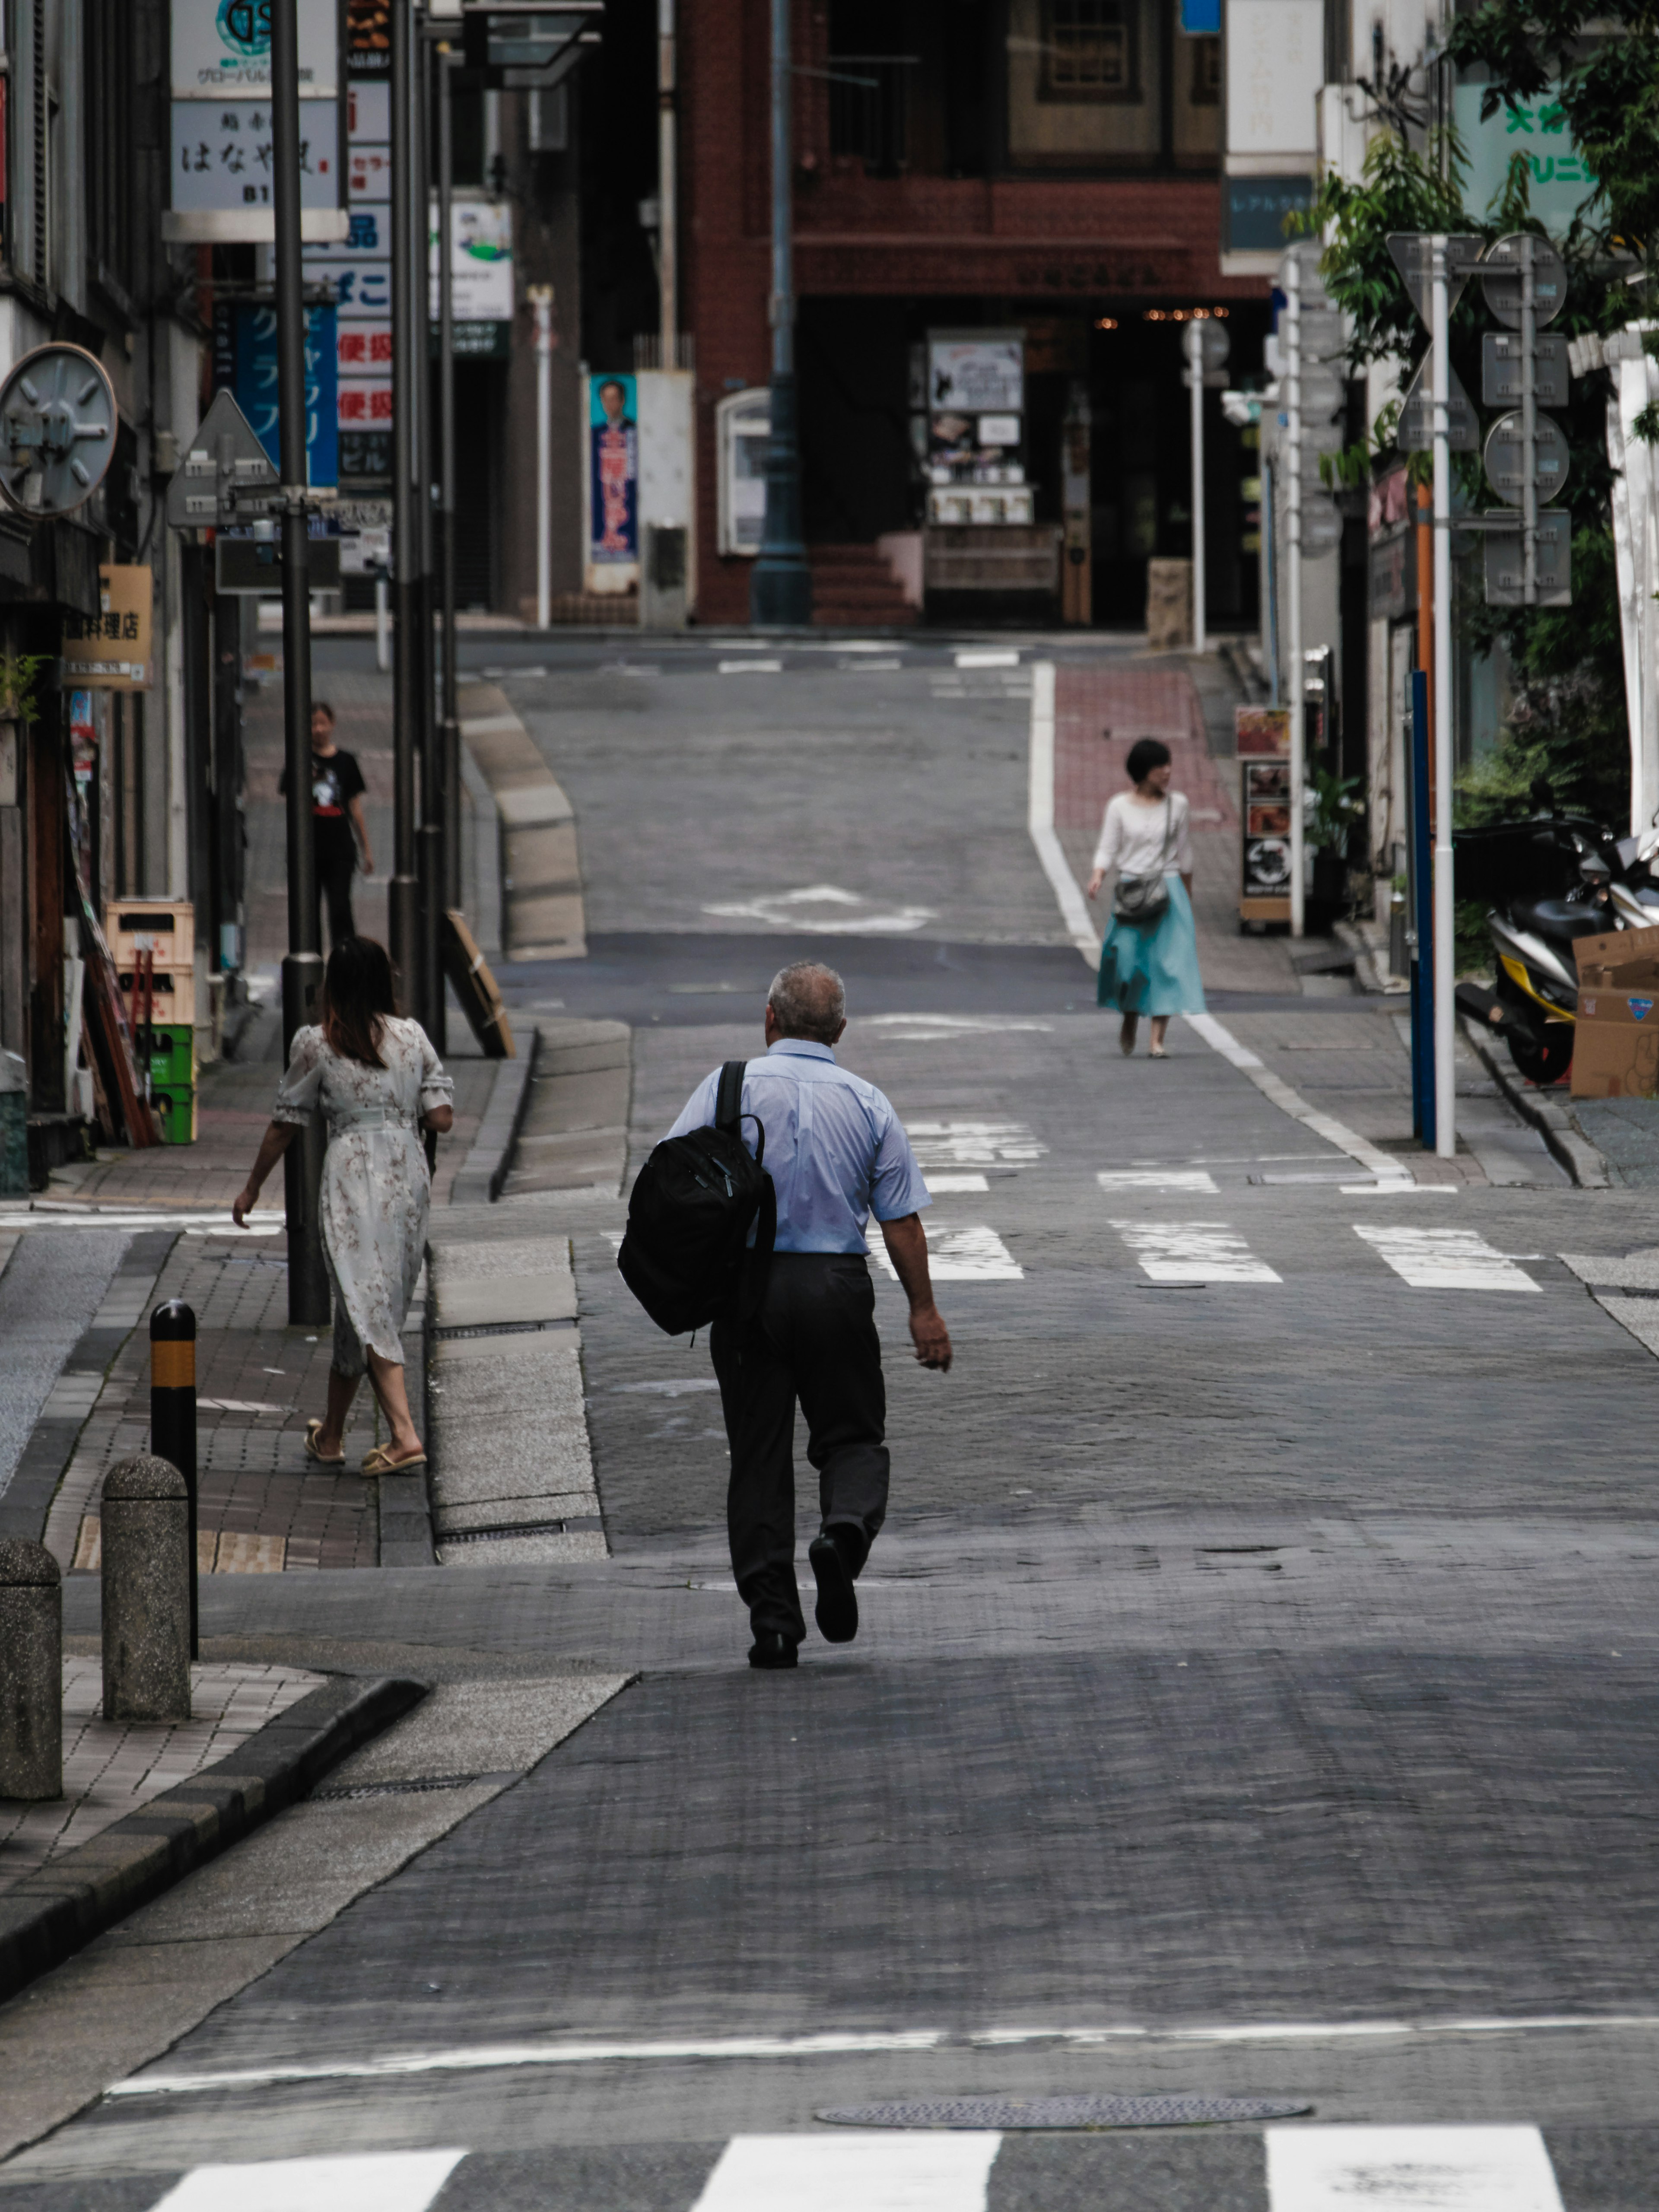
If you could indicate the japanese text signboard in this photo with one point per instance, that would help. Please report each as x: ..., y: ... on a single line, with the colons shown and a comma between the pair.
x: 222, y: 48
x: 245, y: 362
x: 613, y: 483
x: 359, y: 268
x: 1559, y: 180
x: 110, y: 651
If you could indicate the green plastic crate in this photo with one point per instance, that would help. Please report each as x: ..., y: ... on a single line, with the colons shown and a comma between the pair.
x: 174, y: 1107
x: 173, y: 1061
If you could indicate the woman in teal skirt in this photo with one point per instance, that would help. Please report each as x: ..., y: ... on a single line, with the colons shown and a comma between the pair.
x: 1149, y: 963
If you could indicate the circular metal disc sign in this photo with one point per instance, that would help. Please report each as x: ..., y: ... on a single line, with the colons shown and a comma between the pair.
x: 1505, y: 460
x: 1011, y: 2113
x: 1501, y: 279
x: 57, y: 424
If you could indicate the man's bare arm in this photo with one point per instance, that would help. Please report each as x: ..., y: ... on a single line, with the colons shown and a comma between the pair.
x: 907, y: 1248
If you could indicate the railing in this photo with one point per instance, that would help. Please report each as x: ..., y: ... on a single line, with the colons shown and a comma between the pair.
x: 870, y: 110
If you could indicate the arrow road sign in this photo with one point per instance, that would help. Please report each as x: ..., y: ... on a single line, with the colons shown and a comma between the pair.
x: 1413, y: 256
x: 1416, y: 431
x: 1503, y: 364
x: 222, y: 477
x: 1505, y: 458
x: 1506, y: 568
x: 1501, y: 278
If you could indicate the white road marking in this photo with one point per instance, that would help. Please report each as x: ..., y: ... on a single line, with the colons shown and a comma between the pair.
x: 956, y: 1143
x: 677, y: 1388
x: 945, y: 1186
x: 886, y: 2172
x: 947, y: 1028
x: 390, y: 2181
x: 1040, y: 817
x: 995, y: 659
x: 791, y: 911
x: 964, y: 1255
x: 751, y: 667
x: 1198, y: 1179
x: 237, y: 1406
x: 1194, y: 1252
x: 1446, y: 1260
x: 1219, y: 1038
x: 1329, y: 2169
x: 867, y: 667
x: 1400, y: 1189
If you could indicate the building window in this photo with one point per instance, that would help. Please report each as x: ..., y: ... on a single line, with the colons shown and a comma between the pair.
x: 1089, y: 51
x: 1206, y: 72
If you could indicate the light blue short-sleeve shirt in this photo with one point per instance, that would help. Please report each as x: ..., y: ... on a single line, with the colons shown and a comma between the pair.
x: 836, y: 1149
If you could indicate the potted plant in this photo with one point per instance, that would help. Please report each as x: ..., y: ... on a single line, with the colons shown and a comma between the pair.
x: 1333, y: 805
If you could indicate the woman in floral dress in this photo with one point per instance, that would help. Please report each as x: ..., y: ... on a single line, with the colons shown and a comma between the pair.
x: 379, y: 1082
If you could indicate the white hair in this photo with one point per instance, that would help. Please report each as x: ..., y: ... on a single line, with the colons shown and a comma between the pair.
x: 808, y: 1000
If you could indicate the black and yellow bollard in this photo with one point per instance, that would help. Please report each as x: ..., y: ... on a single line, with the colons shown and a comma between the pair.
x: 173, y: 1413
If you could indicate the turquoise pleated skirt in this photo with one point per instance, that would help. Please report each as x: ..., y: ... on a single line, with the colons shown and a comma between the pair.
x: 1152, y: 967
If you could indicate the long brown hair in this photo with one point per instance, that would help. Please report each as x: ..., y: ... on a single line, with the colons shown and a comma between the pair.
x: 356, y: 994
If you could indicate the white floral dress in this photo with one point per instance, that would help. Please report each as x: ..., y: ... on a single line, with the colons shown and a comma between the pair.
x: 376, y: 1190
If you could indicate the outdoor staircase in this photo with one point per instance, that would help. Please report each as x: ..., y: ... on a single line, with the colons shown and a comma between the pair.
x: 853, y: 588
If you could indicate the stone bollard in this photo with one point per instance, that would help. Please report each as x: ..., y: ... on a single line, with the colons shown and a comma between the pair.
x: 30, y: 1671
x: 145, y: 1534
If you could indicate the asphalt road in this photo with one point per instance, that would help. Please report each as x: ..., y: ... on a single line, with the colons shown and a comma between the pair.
x: 1255, y: 1692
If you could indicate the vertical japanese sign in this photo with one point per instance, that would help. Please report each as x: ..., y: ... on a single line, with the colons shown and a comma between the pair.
x: 359, y: 270
x: 245, y: 359
x: 613, y: 482
x: 110, y: 651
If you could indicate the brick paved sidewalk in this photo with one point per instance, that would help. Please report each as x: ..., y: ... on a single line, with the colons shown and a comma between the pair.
x: 111, y: 1768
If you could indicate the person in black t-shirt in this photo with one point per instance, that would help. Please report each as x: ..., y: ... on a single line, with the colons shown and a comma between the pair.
x: 339, y: 831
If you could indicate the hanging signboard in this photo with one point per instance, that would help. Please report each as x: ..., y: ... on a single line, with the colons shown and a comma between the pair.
x: 480, y: 260
x: 222, y: 48
x: 245, y: 363
x: 110, y: 651
x: 612, y: 491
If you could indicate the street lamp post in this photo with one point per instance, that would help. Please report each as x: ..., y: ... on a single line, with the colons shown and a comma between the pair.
x: 780, y: 583
x: 429, y: 848
x: 404, y: 892
x: 302, y: 970
x: 451, y: 723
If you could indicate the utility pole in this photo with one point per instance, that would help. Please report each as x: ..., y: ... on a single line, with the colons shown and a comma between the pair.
x: 1293, y: 522
x: 430, y: 844
x: 302, y: 970
x: 1192, y: 340
x: 667, y: 184
x: 780, y: 583
x: 541, y: 302
x: 1445, y: 1007
x: 449, y: 726
x: 403, y: 890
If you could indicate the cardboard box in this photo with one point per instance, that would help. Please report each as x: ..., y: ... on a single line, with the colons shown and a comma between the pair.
x: 1616, y: 1046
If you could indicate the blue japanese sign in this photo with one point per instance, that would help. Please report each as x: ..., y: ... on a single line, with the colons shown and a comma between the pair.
x: 245, y: 358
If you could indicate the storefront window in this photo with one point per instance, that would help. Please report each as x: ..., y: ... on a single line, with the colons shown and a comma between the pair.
x: 1089, y: 50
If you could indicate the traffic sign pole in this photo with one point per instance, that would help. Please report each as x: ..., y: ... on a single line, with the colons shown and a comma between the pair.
x: 402, y: 893
x: 1445, y: 1086
x: 452, y: 723
x: 1528, y: 426
x: 1298, y: 691
x: 303, y: 970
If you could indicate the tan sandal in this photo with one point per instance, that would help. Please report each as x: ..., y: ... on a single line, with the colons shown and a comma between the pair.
x: 380, y: 1462
x: 313, y: 1430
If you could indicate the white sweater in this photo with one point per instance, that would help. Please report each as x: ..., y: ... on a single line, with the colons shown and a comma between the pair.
x: 1140, y: 841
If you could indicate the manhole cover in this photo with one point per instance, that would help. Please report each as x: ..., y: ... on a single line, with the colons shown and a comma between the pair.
x: 1007, y: 2112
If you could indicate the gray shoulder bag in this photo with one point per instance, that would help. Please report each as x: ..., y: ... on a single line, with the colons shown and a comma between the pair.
x: 1145, y: 899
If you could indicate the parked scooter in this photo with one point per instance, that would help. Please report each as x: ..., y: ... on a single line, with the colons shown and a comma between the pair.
x: 1550, y: 881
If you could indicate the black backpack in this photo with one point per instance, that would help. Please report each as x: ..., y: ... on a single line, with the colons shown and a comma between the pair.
x: 685, y: 1256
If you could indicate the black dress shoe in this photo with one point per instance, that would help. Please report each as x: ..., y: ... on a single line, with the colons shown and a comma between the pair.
x: 837, y: 1610
x: 772, y: 1648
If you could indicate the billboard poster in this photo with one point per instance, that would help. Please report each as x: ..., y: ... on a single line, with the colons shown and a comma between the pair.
x: 1261, y: 732
x: 244, y: 359
x: 480, y: 260
x: 967, y: 370
x: 613, y: 444
x: 222, y: 48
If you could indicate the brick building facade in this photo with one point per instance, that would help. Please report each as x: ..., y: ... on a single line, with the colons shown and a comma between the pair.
x: 1048, y: 165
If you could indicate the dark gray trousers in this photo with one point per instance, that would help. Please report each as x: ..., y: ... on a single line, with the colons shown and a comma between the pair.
x: 814, y: 1339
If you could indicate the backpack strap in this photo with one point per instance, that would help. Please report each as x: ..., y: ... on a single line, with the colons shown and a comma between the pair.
x: 728, y: 1098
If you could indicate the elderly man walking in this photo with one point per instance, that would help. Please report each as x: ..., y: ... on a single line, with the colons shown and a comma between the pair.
x: 836, y: 1152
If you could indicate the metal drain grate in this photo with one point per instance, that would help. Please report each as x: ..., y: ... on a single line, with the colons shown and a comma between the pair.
x: 401, y: 1788
x: 1011, y: 2113
x: 499, y: 1329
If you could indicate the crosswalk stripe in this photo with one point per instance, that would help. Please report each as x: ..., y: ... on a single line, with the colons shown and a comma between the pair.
x: 1198, y: 1179
x: 976, y: 1255
x: 1194, y: 1252
x: 394, y: 2181
x: 1450, y: 2169
x: 828, y: 2173
x: 1446, y: 1260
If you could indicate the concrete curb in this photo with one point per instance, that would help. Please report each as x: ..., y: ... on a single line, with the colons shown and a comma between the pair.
x: 485, y: 1171
x: 1554, y: 1122
x: 543, y: 914
x: 51, y: 1915
x: 27, y: 1503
